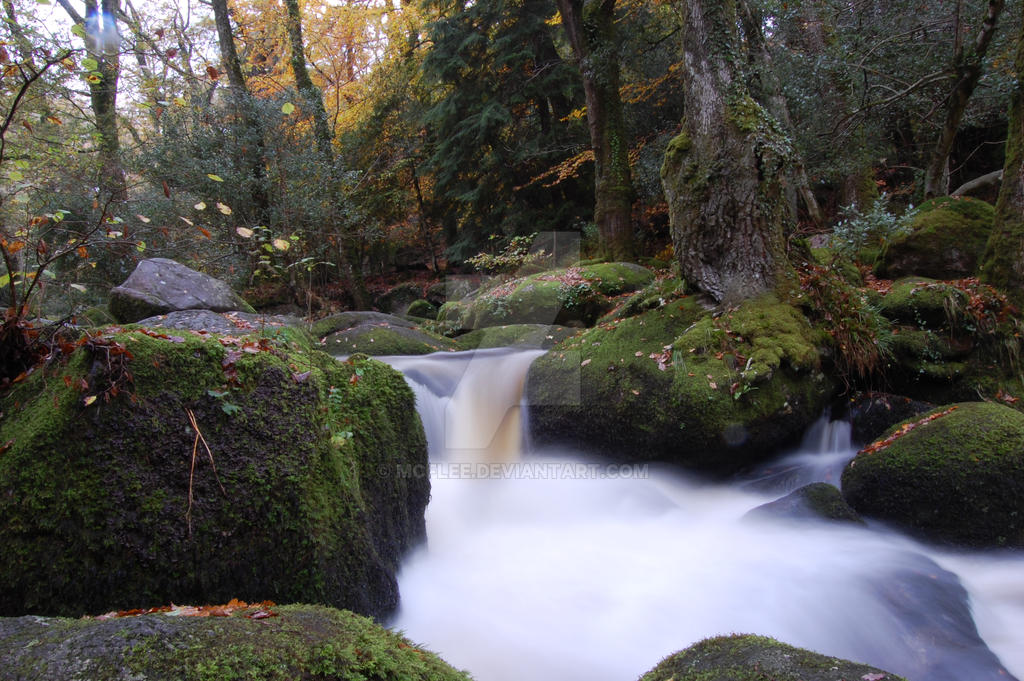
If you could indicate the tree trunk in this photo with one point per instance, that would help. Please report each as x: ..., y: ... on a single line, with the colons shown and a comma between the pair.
x: 968, y: 68
x: 103, y: 44
x: 314, y: 103
x: 1003, y: 263
x: 766, y: 89
x: 721, y: 173
x: 245, y: 110
x: 590, y: 27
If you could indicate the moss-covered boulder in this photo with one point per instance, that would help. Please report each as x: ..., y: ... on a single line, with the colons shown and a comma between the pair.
x: 947, y: 240
x: 817, y: 501
x: 398, y: 299
x: 157, y: 467
x: 955, y: 477
x: 922, y: 302
x: 572, y: 296
x: 375, y: 333
x: 282, y: 643
x: 515, y: 335
x: 758, y: 658
x: 676, y: 383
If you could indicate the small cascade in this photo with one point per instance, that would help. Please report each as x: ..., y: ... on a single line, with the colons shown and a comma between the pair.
x: 823, y: 453
x: 469, y: 402
x: 598, y: 573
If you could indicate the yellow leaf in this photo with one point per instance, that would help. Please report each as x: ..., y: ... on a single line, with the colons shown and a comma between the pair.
x: 244, y: 232
x: 142, y: 218
x: 200, y: 206
x: 281, y: 244
x: 89, y: 400
x: 287, y: 108
x: 215, y: 178
x: 223, y: 209
x: 187, y: 221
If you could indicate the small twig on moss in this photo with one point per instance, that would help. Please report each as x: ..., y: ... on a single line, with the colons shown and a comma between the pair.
x: 192, y: 468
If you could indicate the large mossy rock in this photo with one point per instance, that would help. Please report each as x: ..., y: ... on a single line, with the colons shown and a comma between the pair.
x: 298, y: 643
x: 758, y: 658
x: 947, y: 240
x: 515, y: 336
x: 678, y: 384
x: 375, y: 333
x: 158, y: 286
x: 572, y: 296
x: 956, y: 479
x: 816, y: 501
x: 109, y: 498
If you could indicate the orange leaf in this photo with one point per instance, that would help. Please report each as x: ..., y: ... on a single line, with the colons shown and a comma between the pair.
x: 212, y: 72
x: 82, y: 251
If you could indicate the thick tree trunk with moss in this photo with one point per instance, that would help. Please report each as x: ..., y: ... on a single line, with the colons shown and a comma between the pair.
x: 590, y: 27
x: 722, y: 173
x: 1003, y: 263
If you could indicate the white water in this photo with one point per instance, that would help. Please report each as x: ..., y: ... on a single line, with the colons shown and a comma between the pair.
x: 559, y: 568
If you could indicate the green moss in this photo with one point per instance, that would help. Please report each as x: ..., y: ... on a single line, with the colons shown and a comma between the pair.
x: 386, y: 340
x: 95, y: 514
x: 675, y: 383
x: 947, y: 239
x: 957, y: 479
x: 678, y: 147
x: 299, y: 643
x: 515, y: 335
x: 755, y: 658
x: 423, y: 309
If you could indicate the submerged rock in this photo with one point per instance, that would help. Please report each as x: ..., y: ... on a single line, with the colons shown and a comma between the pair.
x: 157, y: 467
x: 817, y: 501
x: 158, y: 286
x: 758, y: 658
x: 678, y: 384
x: 957, y: 479
x: 285, y: 643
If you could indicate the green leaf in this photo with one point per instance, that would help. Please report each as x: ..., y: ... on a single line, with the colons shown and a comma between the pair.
x: 288, y: 108
x: 90, y: 64
x: 16, y: 176
x: 78, y: 30
x: 5, y: 280
x: 78, y: 287
x: 215, y: 178
x: 141, y: 247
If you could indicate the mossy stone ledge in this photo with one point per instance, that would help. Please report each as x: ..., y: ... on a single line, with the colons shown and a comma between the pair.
x: 678, y: 384
x: 957, y: 479
x: 111, y: 501
x: 295, y: 643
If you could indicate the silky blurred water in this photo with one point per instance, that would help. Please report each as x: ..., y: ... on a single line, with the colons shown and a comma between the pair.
x: 555, y: 566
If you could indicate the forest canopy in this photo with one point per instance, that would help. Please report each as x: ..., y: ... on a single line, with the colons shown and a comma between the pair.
x: 288, y: 144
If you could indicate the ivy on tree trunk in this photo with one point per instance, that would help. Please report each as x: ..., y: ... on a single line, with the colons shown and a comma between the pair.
x: 723, y: 173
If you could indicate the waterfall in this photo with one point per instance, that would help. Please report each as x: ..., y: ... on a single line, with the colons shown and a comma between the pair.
x: 557, y: 566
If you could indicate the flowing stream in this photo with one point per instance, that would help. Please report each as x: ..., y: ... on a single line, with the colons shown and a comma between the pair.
x: 553, y: 566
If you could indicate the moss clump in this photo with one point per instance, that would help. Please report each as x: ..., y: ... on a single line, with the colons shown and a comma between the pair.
x: 947, y: 239
x: 575, y: 296
x: 515, y: 335
x: 300, y: 643
x: 374, y: 333
x: 677, y: 384
x: 958, y: 479
x: 756, y: 658
x: 102, y: 508
x: 923, y: 302
x: 423, y: 309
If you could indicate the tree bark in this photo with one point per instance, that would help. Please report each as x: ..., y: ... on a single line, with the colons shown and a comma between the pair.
x: 103, y: 44
x: 244, y: 109
x: 767, y: 90
x: 590, y: 28
x: 968, y: 67
x: 721, y: 173
x: 313, y: 99
x: 1003, y: 263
